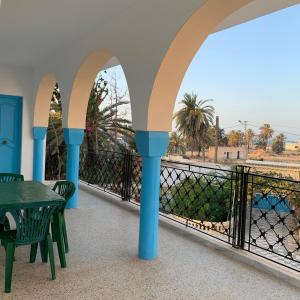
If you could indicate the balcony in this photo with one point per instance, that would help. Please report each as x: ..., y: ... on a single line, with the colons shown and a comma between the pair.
x: 103, y: 263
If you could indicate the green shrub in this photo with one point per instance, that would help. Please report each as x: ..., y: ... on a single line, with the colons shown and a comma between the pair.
x: 205, y: 198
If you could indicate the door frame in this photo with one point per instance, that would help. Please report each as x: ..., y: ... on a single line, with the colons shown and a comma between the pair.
x: 20, y: 125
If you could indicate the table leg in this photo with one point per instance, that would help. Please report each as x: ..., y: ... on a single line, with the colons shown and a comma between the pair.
x: 57, y: 222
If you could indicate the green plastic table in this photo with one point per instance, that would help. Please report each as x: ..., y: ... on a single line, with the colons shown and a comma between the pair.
x: 33, y: 194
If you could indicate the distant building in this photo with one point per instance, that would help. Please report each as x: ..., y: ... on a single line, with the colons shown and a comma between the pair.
x: 292, y: 146
x: 228, y: 152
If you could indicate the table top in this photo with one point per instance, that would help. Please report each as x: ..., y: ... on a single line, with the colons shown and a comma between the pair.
x: 27, y: 194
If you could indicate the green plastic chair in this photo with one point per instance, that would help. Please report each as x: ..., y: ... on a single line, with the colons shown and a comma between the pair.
x: 32, y: 226
x: 11, y: 177
x: 8, y: 177
x: 66, y: 189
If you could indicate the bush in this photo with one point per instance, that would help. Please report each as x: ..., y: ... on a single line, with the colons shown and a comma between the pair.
x: 204, y: 198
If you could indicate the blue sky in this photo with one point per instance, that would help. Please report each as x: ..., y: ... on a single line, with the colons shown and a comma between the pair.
x: 252, y: 72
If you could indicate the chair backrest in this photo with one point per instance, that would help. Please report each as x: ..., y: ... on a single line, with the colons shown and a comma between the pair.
x: 11, y: 177
x: 32, y: 224
x: 65, y: 189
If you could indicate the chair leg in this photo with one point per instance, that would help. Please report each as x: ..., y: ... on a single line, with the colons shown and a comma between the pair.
x: 51, y: 256
x: 33, y: 251
x: 44, y: 251
x: 9, y: 260
x: 59, y: 239
x: 64, y: 231
x: 53, y: 232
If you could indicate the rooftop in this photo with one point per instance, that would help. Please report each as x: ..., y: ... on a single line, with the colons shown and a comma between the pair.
x: 103, y: 264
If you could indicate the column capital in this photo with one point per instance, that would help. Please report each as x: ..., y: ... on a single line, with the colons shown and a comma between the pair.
x: 73, y: 136
x: 152, y: 143
x: 39, y: 133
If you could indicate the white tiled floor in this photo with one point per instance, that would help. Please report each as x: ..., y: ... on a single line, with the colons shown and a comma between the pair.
x: 102, y: 264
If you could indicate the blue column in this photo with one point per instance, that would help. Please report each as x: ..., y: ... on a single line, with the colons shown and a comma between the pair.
x: 73, y: 140
x: 151, y: 146
x: 39, y: 135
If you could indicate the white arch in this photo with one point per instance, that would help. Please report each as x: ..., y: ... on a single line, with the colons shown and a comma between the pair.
x: 82, y: 86
x: 180, y: 54
x: 42, y: 100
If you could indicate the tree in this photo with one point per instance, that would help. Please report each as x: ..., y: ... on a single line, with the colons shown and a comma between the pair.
x: 194, y: 119
x: 278, y: 143
x: 55, y: 146
x: 222, y: 138
x: 176, y: 144
x: 105, y: 128
x: 235, y: 138
x: 266, y: 132
x: 249, y: 137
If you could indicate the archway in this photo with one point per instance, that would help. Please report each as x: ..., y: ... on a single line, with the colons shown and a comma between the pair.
x: 42, y: 100
x: 85, y: 118
x: 152, y: 144
x: 82, y: 86
x: 179, y: 55
x: 265, y: 130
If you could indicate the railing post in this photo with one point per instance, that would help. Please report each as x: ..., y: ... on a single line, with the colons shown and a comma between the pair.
x: 127, y: 174
x: 130, y: 175
x: 235, y: 208
x: 242, y: 208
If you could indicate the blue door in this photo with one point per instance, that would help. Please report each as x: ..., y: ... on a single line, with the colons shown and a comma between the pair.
x: 10, y: 133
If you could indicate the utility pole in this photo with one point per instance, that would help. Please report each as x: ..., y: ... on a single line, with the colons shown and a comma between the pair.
x: 216, y: 140
x: 245, y: 123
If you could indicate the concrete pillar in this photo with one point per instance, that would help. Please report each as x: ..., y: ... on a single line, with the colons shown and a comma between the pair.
x: 39, y: 136
x: 151, y: 146
x: 73, y: 140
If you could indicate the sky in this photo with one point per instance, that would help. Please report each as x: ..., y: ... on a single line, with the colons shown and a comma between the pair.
x: 252, y: 73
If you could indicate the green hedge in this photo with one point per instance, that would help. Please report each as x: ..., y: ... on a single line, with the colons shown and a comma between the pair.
x: 198, y: 200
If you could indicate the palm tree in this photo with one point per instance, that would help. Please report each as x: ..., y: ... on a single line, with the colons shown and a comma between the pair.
x: 194, y: 119
x: 266, y: 132
x: 249, y: 137
x: 176, y: 144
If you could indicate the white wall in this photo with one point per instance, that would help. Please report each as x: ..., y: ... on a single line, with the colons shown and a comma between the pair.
x: 18, y: 82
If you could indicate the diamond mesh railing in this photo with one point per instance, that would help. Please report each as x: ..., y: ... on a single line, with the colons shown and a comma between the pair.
x: 273, y: 217
x: 253, y: 212
x: 199, y: 197
x: 106, y: 170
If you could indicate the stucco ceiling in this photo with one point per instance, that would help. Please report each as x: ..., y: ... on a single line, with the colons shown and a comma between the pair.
x: 32, y: 30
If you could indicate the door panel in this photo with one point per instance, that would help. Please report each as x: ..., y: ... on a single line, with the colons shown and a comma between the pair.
x: 10, y: 133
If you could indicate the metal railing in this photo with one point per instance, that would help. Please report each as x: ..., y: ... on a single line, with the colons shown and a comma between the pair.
x: 257, y: 213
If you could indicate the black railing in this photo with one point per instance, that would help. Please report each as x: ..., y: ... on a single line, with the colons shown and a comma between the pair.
x: 257, y: 213
x: 273, y: 217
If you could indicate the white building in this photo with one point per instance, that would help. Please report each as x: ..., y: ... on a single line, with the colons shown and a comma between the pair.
x: 228, y: 153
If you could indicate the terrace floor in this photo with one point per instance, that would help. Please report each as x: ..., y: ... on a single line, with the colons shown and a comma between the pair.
x: 102, y: 263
